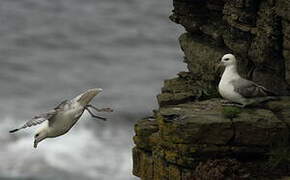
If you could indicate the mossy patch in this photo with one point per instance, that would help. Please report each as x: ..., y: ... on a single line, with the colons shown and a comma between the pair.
x: 231, y: 112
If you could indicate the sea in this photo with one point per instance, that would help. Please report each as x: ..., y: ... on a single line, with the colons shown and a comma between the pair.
x: 52, y: 50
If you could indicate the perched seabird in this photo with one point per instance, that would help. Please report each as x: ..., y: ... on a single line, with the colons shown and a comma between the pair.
x: 239, y: 90
x: 62, y: 118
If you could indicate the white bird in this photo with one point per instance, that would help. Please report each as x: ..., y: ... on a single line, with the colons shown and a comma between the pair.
x: 62, y: 118
x: 239, y: 90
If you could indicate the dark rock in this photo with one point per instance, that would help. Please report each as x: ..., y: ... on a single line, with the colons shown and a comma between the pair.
x: 202, y: 59
x: 220, y: 170
x: 283, y: 9
x: 145, y: 136
x: 187, y: 134
x: 192, y: 136
x: 179, y: 90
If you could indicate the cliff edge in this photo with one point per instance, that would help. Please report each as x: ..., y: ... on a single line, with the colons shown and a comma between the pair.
x: 192, y: 136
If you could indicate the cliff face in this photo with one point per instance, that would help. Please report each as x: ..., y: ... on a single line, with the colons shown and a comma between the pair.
x: 192, y: 136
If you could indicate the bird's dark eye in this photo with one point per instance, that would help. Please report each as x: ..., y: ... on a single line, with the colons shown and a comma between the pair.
x: 226, y: 59
x: 36, y: 135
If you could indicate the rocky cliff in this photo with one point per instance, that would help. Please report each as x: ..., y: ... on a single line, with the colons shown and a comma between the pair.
x: 192, y: 136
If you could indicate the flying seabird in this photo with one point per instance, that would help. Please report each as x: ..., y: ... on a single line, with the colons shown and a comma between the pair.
x: 239, y: 90
x: 62, y: 118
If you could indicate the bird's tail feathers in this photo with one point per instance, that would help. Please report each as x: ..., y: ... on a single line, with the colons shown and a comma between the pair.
x: 269, y: 92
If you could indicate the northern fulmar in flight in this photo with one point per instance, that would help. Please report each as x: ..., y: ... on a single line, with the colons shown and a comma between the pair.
x: 239, y: 90
x: 62, y: 118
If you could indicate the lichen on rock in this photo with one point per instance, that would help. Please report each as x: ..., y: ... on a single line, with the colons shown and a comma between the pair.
x: 191, y: 135
x: 186, y: 134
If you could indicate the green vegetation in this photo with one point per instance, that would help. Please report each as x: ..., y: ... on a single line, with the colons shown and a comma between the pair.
x: 231, y: 112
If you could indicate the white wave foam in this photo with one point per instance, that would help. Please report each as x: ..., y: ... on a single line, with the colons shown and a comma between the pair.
x: 79, y: 152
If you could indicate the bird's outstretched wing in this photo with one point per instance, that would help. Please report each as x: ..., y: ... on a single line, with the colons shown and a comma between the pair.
x: 61, y: 105
x: 37, y: 120
x: 249, y: 89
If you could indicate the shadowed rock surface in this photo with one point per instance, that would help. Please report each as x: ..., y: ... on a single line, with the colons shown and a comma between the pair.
x: 184, y: 135
x: 192, y: 136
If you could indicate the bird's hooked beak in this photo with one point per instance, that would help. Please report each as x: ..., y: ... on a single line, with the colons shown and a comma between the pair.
x: 87, y: 96
x: 220, y: 64
x: 35, y: 144
x: 40, y: 136
x: 36, y: 141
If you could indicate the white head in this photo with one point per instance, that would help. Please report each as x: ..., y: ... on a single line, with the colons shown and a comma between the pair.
x: 228, y: 60
x: 86, y: 97
x: 40, y: 135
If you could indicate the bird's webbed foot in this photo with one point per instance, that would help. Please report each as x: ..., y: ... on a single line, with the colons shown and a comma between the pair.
x: 100, y: 110
x: 93, y: 115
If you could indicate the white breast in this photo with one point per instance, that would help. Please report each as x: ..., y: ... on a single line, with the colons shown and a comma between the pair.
x: 226, y: 89
x: 65, y: 120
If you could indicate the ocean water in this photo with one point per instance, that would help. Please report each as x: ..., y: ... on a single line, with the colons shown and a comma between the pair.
x: 51, y: 50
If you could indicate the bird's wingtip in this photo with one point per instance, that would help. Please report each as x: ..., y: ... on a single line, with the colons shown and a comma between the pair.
x: 14, y: 130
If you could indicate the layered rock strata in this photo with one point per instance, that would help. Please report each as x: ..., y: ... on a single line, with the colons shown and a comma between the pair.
x: 180, y: 138
x: 192, y: 136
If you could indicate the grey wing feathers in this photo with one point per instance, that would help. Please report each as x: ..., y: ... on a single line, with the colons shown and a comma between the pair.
x: 249, y: 89
x: 36, y: 120
x: 61, y: 105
